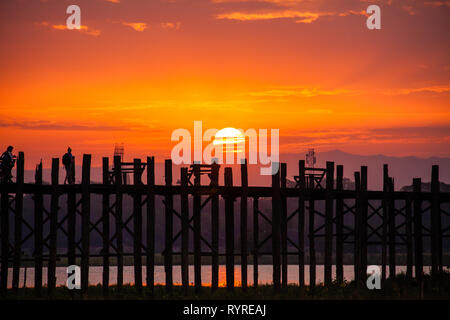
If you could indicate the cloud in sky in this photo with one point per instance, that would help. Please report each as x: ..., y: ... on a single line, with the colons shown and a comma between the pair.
x: 62, y: 27
x: 49, y: 125
x: 301, y: 92
x: 138, y: 26
x: 171, y: 25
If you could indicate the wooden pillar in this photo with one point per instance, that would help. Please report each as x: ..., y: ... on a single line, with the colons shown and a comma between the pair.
x: 276, y: 215
x: 339, y: 225
x: 385, y: 215
x: 38, y: 232
x: 392, y: 227
x: 418, y: 240
x: 436, y: 238
x: 409, y: 238
x: 119, y: 222
x: 215, y: 228
x: 283, y: 226
x: 364, y: 223
x: 105, y: 226
x: 255, y: 240
x: 184, y: 231
x: 229, y: 230
x: 197, y: 232
x: 5, y: 242
x: 244, y: 193
x: 18, y: 218
x: 312, y: 246
x: 357, y: 229
x: 301, y: 223
x: 329, y: 223
x: 150, y: 261
x: 85, y: 221
x: 169, y: 224
x: 137, y: 226
x: 71, y: 221
x: 51, y: 281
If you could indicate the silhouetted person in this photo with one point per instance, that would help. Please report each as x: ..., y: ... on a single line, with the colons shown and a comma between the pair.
x: 7, y: 163
x: 68, y: 161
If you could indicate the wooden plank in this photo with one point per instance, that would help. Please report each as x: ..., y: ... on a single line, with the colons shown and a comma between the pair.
x: 229, y: 231
x: 215, y: 228
x: 150, y: 261
x: 119, y: 221
x: 301, y: 223
x: 137, y: 227
x: 329, y: 223
x: 18, y: 218
x: 51, y: 282
x: 436, y: 245
x: 385, y: 224
x: 312, y: 244
x: 197, y: 233
x: 105, y: 227
x: 283, y: 226
x: 392, y: 226
x: 244, y: 184
x: 38, y: 232
x: 85, y: 222
x: 184, y: 231
x: 418, y: 239
x: 409, y: 239
x: 276, y: 215
x: 255, y: 240
x: 339, y: 226
x: 168, y: 198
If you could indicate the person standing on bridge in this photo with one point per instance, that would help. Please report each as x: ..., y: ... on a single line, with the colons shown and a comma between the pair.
x: 68, y: 161
x: 7, y: 161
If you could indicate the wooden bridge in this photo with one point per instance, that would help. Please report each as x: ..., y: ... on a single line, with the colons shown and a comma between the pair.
x: 388, y: 219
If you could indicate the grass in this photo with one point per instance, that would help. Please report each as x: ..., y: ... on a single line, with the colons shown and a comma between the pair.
x: 402, y: 288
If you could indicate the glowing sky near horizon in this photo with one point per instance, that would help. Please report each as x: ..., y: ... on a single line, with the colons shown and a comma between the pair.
x: 139, y: 69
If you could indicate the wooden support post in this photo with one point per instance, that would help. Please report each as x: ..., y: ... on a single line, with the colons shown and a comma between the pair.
x: 364, y: 223
x: 137, y: 226
x: 283, y: 226
x: 392, y: 228
x: 418, y: 240
x: 244, y: 184
x: 215, y: 228
x: 51, y: 281
x: 71, y: 221
x: 150, y: 261
x: 255, y: 240
x: 301, y: 223
x: 339, y: 225
x: 409, y: 238
x: 276, y: 215
x: 119, y: 220
x: 357, y: 229
x: 169, y: 224
x: 85, y: 222
x: 229, y: 231
x: 385, y: 215
x: 184, y: 231
x: 5, y: 242
x: 312, y: 244
x: 197, y: 232
x: 329, y: 223
x: 105, y: 226
x: 18, y: 218
x: 436, y: 238
x: 38, y: 232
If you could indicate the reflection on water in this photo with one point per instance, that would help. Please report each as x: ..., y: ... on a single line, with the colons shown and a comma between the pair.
x: 264, y: 275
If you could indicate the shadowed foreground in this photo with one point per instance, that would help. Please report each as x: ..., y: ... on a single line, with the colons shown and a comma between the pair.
x: 433, y: 287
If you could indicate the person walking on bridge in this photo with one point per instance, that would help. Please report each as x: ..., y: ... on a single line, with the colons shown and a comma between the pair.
x: 68, y: 162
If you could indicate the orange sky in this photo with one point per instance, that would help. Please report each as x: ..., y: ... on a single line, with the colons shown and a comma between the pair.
x: 139, y: 69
